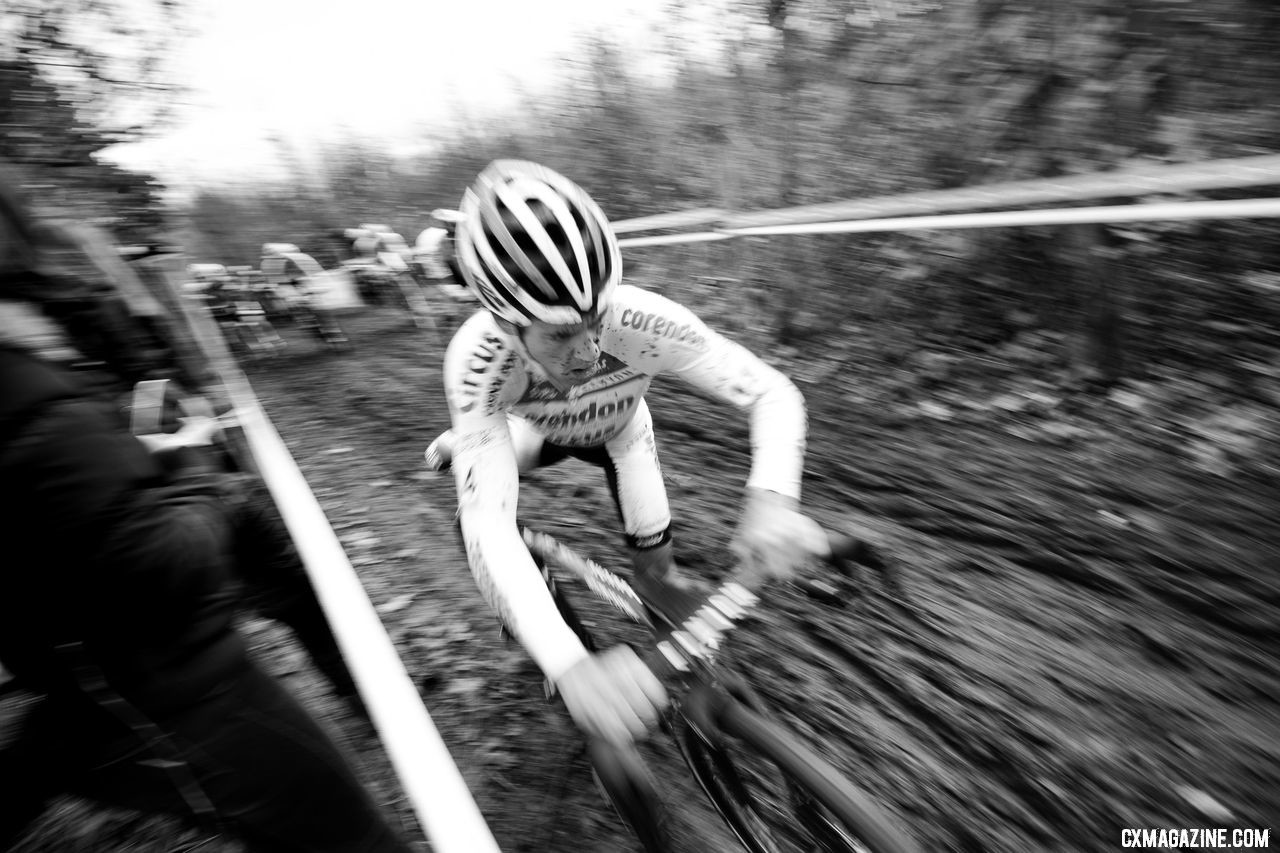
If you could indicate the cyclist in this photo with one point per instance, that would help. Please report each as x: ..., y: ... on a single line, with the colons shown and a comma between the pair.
x: 435, y: 256
x: 434, y: 248
x: 557, y: 365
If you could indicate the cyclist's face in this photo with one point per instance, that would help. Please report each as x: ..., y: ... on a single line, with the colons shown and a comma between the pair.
x: 568, y: 353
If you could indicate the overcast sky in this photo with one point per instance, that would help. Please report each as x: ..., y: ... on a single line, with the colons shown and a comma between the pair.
x: 309, y: 70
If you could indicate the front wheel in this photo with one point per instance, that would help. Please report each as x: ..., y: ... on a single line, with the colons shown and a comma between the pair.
x: 631, y: 790
x: 777, y: 794
x: 620, y: 773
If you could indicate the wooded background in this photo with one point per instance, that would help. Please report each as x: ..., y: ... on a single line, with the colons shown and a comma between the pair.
x: 791, y: 102
x: 1069, y: 436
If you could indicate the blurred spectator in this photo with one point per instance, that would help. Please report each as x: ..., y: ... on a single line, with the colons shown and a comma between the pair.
x: 122, y: 575
x: 57, y: 303
x: 115, y: 330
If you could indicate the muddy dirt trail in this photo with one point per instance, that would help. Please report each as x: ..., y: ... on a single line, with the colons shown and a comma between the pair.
x: 1079, y: 633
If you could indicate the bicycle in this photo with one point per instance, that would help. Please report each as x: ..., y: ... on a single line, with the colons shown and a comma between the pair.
x: 320, y: 324
x: 246, y: 328
x: 720, y: 724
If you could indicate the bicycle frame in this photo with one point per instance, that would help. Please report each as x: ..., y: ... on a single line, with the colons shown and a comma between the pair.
x: 686, y: 651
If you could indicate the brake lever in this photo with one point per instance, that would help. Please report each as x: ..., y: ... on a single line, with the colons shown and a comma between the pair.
x: 842, y: 550
x: 847, y: 552
x: 845, y: 549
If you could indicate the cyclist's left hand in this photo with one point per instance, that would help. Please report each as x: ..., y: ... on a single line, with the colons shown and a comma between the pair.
x: 774, y: 539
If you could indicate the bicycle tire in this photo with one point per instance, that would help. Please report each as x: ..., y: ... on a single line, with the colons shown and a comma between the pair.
x: 629, y: 788
x: 814, y: 804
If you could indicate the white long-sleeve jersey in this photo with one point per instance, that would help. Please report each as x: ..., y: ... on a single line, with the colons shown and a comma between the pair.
x: 503, y: 408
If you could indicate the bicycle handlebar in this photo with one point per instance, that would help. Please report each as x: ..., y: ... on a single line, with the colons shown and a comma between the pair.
x: 698, y: 636
x: 692, y: 625
x: 688, y: 628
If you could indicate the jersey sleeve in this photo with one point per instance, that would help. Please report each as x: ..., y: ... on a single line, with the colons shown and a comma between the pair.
x: 477, y: 362
x: 669, y: 338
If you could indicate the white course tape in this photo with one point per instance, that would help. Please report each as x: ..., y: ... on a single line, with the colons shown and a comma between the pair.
x: 669, y: 239
x: 1171, y: 211
x: 431, y: 780
x: 1134, y: 182
x: 679, y: 219
x: 1258, y: 208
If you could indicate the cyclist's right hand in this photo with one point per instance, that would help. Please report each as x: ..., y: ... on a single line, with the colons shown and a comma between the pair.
x: 613, y: 695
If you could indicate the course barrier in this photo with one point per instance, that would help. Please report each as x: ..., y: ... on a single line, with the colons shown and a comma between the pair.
x: 1173, y: 211
x: 909, y: 209
x: 679, y: 219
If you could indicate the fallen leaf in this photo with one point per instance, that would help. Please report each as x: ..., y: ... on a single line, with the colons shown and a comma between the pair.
x: 937, y: 411
x: 1112, y: 518
x: 465, y: 686
x: 1210, y: 458
x: 1205, y: 804
x: 400, y: 602
x: 1010, y: 402
x: 1128, y: 399
x: 1059, y: 429
x: 1047, y: 401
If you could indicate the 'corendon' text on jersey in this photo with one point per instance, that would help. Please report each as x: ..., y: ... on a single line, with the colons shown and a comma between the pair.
x: 685, y: 333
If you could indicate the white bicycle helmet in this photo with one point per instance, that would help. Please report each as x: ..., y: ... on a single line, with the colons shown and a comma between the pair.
x: 534, y: 246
